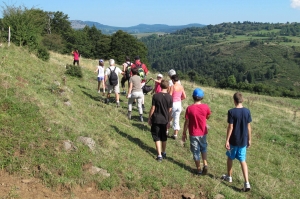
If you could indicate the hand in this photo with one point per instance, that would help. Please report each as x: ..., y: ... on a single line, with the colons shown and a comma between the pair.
x: 249, y: 144
x: 227, y: 145
x: 151, y: 78
x: 183, y: 137
x: 149, y: 122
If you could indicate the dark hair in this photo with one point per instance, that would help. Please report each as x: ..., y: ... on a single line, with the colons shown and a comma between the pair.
x: 134, y: 71
x: 164, y: 84
x: 197, y: 99
x: 238, y: 97
x: 175, y: 78
x: 127, y: 58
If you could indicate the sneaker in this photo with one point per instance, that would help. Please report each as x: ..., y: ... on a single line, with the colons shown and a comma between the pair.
x: 247, y: 186
x: 129, y: 116
x: 226, y: 178
x: 204, y: 170
x: 174, y: 137
x: 106, y: 101
x: 141, y: 118
x: 198, y: 173
x: 98, y: 91
x: 118, y: 104
x: 164, y: 155
x: 159, y: 159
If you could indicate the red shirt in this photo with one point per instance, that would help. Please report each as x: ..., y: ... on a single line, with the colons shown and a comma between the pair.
x: 157, y: 87
x: 144, y: 67
x: 197, y: 115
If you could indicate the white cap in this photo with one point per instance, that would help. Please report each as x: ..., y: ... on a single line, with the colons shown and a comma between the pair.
x: 160, y: 75
x: 171, y: 72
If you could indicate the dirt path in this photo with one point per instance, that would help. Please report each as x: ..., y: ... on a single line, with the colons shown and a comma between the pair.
x: 12, y: 186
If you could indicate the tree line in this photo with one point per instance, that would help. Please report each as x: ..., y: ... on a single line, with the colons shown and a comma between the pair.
x: 42, y: 31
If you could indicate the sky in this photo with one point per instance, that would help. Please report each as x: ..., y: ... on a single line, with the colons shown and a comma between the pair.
x: 126, y: 13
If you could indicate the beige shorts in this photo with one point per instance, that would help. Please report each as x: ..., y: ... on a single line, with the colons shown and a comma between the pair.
x: 110, y: 88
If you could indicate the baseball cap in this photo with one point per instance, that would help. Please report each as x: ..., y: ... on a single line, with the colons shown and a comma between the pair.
x: 101, y: 60
x: 198, y: 93
x: 160, y: 75
x: 136, y: 57
x: 171, y: 72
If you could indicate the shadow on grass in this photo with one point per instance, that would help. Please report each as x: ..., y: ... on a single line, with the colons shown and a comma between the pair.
x: 95, y: 98
x: 232, y: 186
x: 148, y: 149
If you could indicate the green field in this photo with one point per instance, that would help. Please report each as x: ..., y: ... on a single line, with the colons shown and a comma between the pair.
x: 36, y: 120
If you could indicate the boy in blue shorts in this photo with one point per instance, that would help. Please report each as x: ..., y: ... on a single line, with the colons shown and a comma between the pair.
x: 238, y: 138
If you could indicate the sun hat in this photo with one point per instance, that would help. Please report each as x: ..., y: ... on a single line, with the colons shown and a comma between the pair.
x: 198, y: 93
x: 160, y: 75
x: 171, y: 72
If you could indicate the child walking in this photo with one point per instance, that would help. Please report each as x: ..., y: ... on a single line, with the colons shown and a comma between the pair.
x: 238, y: 138
x: 100, y: 77
x: 195, y: 121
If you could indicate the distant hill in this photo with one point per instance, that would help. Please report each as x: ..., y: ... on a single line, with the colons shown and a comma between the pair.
x: 141, y: 28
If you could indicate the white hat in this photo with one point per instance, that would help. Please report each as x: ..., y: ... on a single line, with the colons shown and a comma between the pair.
x: 171, y: 72
x: 160, y: 75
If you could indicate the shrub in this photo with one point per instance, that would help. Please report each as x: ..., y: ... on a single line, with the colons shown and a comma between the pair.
x: 74, y: 71
x: 42, y: 53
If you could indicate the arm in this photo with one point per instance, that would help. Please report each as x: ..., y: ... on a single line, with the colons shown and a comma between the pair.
x: 186, y: 124
x: 183, y: 96
x: 129, y: 89
x: 249, y: 135
x: 229, y: 132
x: 170, y: 90
x: 150, y: 115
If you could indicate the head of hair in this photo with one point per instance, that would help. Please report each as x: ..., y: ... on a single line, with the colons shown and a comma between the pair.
x: 175, y: 78
x: 197, y: 99
x: 127, y: 58
x: 134, y: 71
x: 164, y: 84
x: 238, y: 97
x: 111, y: 62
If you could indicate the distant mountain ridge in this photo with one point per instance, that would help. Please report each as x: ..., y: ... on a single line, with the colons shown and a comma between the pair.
x: 141, y: 28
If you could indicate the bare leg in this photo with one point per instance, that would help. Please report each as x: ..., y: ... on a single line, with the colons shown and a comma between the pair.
x: 99, y: 85
x: 164, y: 145
x: 204, y: 158
x: 197, y: 162
x: 103, y: 86
x: 245, y: 170
x: 229, y: 166
x: 158, y: 147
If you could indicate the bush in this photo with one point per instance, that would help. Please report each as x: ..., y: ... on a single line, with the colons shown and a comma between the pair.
x: 74, y: 71
x: 42, y: 53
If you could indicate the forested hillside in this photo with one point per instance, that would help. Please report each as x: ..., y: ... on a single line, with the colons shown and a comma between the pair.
x: 258, y: 57
x: 42, y: 31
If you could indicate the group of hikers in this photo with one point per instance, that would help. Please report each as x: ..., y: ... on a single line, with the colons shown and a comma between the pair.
x: 165, y: 112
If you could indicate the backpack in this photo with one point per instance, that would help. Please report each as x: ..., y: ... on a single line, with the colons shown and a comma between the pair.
x: 128, y: 70
x: 113, y: 77
x: 141, y: 72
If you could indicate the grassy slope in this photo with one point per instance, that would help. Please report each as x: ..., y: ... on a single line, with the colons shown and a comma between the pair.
x: 35, y: 122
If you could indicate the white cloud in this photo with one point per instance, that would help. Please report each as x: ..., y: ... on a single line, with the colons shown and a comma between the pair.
x: 295, y: 4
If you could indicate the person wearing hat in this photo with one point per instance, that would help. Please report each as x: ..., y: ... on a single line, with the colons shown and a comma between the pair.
x: 195, y: 122
x: 100, y: 70
x: 170, y: 74
x: 157, y: 81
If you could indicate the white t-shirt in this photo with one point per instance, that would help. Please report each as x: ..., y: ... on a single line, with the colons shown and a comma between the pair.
x: 117, y: 71
x: 100, y: 71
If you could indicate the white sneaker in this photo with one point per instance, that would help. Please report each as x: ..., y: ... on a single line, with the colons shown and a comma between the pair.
x: 247, y: 186
x: 98, y: 91
x: 226, y: 178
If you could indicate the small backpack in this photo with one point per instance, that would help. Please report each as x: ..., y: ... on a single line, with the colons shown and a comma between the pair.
x: 113, y: 77
x: 128, y: 70
x: 141, y: 72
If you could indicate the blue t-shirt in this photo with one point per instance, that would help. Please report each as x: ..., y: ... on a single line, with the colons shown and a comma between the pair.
x: 239, y: 117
